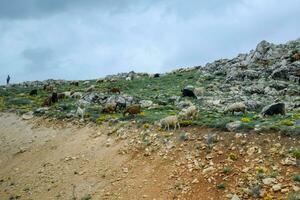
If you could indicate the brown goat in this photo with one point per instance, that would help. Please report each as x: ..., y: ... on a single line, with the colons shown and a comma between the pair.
x: 47, y: 102
x: 132, y: 110
x: 61, y: 95
x: 115, y: 90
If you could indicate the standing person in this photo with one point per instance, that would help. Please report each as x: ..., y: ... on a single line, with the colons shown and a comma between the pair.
x: 7, y: 80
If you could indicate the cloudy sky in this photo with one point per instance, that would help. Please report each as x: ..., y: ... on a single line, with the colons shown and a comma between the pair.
x: 85, y: 39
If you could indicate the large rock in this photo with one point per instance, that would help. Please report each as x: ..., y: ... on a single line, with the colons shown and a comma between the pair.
x: 233, y: 126
x: 281, y: 73
x: 27, y: 116
x: 146, y: 103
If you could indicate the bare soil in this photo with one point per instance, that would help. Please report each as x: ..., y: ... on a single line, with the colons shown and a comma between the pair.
x: 44, y: 159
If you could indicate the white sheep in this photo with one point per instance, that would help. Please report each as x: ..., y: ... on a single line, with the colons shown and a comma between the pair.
x: 169, y: 121
x: 190, y: 112
x: 67, y: 94
x: 236, y: 107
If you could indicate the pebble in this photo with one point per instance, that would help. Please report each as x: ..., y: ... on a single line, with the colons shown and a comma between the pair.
x: 276, y: 187
x: 268, y: 181
x: 235, y: 197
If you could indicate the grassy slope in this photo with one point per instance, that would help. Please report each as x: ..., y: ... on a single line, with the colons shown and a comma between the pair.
x: 158, y: 90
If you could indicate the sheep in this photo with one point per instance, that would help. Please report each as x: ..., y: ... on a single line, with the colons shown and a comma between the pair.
x: 199, y: 91
x: 80, y: 112
x: 33, y: 92
x: 132, y: 110
x: 49, y: 88
x: 115, y: 90
x: 101, y: 80
x: 110, y: 107
x: 236, y: 107
x: 188, y: 93
x: 66, y: 94
x: 274, y: 109
x: 190, y: 112
x: 157, y: 75
x: 75, y: 83
x: 169, y: 121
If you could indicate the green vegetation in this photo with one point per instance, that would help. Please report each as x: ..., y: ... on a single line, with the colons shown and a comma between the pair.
x: 159, y: 91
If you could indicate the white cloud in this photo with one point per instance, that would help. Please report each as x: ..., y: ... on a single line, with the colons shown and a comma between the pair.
x: 78, y: 40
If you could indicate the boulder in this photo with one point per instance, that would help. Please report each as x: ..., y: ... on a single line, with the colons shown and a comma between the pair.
x: 233, y: 126
x: 146, y: 103
x: 27, y: 116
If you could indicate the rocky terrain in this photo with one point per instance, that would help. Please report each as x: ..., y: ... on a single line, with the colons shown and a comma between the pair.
x: 105, y: 138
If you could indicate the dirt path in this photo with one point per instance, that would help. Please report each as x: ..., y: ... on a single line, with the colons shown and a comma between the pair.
x: 65, y: 161
x: 60, y: 160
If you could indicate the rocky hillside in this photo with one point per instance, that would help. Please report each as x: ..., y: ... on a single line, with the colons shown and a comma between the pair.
x: 103, y: 139
x: 228, y: 94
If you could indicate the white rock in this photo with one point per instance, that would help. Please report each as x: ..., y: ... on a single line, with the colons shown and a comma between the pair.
x: 27, y: 116
x: 276, y: 187
x: 146, y: 103
x: 209, y: 169
x: 235, y: 197
x: 233, y: 126
x: 268, y: 181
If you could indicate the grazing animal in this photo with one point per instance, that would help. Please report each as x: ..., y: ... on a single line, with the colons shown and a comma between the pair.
x: 61, y: 96
x: 47, y: 102
x: 189, y: 113
x: 157, y: 75
x: 33, y: 92
x: 236, y: 107
x: 80, y: 112
x: 49, y: 88
x: 188, y: 93
x: 132, y: 110
x: 54, y: 97
x: 75, y: 83
x: 67, y: 94
x: 101, y: 80
x: 110, y: 107
x: 169, y: 121
x: 199, y: 91
x: 115, y: 90
x: 274, y: 109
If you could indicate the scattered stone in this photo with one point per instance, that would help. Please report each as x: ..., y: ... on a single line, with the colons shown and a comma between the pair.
x: 27, y: 116
x: 233, y: 126
x: 269, y: 181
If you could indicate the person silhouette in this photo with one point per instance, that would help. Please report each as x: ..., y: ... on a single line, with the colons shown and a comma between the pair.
x: 7, y: 79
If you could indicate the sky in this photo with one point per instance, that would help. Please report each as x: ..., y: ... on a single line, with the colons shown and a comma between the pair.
x: 88, y: 39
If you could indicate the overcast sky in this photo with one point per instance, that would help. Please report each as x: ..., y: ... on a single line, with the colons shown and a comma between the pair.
x: 85, y: 39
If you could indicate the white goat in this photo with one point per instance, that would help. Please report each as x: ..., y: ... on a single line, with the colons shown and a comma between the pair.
x: 169, y: 121
x: 80, y: 112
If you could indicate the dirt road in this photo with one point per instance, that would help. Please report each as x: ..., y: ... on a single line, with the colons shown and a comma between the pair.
x: 40, y: 159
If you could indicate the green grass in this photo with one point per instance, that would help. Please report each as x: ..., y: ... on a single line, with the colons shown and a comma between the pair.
x: 159, y: 90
